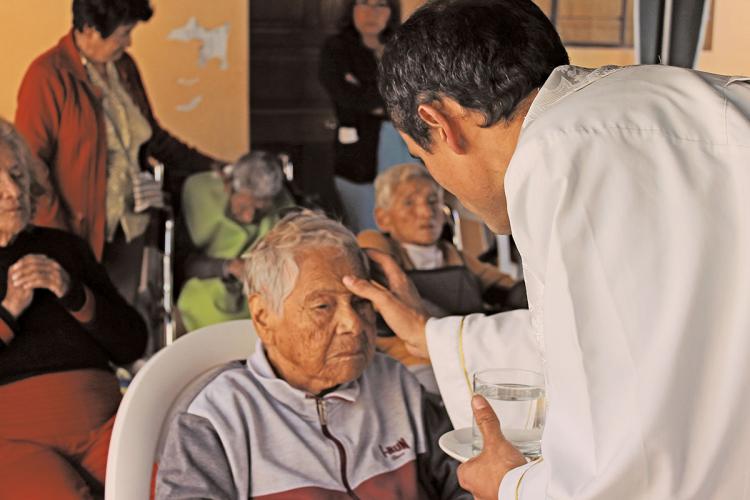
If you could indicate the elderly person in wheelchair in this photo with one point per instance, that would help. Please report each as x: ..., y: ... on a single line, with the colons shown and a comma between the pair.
x: 409, y: 212
x: 224, y: 216
x: 314, y: 412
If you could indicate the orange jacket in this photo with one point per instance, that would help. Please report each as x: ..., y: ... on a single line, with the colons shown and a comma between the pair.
x: 60, y: 115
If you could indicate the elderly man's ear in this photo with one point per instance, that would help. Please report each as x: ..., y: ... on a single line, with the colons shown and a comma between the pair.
x: 445, y: 119
x: 263, y: 318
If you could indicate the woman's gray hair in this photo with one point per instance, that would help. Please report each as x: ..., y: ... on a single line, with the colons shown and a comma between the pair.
x: 387, y: 182
x: 27, y: 183
x: 271, y: 268
x: 259, y: 172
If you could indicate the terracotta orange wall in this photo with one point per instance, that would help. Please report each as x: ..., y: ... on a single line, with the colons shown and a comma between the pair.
x: 27, y: 28
x: 731, y: 39
x: 409, y: 6
x: 218, y: 125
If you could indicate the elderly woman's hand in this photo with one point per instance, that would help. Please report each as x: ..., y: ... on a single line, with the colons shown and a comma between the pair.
x: 399, y: 304
x: 17, y: 298
x: 39, y: 271
x: 147, y: 193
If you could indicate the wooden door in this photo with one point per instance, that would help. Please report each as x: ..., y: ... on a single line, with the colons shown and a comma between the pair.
x: 289, y: 109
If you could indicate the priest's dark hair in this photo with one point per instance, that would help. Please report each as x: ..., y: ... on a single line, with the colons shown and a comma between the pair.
x: 487, y: 55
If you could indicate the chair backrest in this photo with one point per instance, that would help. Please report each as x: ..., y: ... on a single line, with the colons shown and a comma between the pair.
x: 151, y: 394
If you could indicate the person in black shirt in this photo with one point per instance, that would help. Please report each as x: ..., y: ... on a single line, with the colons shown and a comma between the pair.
x: 349, y: 73
x: 62, y: 323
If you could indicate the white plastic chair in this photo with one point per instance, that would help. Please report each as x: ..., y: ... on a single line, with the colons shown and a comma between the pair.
x: 153, y: 391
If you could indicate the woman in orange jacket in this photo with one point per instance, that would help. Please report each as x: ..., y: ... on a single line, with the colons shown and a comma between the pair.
x: 84, y: 111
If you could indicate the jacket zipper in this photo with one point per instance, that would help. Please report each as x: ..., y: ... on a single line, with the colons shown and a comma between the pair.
x: 342, y: 453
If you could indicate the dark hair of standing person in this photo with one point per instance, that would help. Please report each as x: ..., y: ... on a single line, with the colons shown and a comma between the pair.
x: 346, y: 23
x: 487, y: 55
x: 106, y: 15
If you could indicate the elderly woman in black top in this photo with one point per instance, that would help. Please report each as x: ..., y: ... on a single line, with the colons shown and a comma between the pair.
x: 61, y: 324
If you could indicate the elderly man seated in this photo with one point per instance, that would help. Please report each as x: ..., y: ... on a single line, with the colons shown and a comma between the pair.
x: 314, y: 413
x: 224, y: 217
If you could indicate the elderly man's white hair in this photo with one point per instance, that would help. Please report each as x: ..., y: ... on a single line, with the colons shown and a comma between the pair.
x: 270, y: 266
x: 387, y: 182
x: 259, y: 172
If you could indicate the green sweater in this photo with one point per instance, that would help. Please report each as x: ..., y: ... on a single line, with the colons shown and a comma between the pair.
x: 205, y: 301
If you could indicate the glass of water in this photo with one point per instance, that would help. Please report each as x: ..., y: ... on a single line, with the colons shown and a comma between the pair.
x: 517, y: 396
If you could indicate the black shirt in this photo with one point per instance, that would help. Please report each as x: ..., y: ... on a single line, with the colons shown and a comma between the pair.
x: 349, y: 72
x: 48, y: 338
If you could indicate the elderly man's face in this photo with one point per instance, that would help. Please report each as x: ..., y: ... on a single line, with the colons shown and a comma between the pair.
x: 14, y: 196
x: 324, y: 336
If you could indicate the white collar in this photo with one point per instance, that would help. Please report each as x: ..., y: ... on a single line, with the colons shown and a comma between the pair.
x: 564, y: 80
x: 424, y: 257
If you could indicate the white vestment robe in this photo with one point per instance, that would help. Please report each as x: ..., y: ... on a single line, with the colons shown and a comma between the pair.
x: 629, y: 200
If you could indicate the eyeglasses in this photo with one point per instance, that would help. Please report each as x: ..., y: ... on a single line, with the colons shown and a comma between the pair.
x: 376, y: 4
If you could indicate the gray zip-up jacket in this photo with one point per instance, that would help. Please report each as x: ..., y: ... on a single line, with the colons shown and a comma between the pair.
x: 248, y: 434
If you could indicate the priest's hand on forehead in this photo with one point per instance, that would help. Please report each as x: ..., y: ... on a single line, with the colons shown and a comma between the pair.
x: 399, y: 303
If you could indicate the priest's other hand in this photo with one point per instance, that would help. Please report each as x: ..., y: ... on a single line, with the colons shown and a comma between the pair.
x: 481, y: 475
x: 399, y: 304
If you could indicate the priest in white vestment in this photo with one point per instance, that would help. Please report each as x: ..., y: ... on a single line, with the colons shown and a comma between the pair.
x: 628, y: 194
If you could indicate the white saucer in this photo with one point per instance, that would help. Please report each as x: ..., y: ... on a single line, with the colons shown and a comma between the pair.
x: 457, y: 444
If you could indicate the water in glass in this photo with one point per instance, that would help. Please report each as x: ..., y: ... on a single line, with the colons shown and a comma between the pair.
x: 521, y: 411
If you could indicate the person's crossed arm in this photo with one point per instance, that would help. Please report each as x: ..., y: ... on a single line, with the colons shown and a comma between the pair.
x: 31, y: 272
